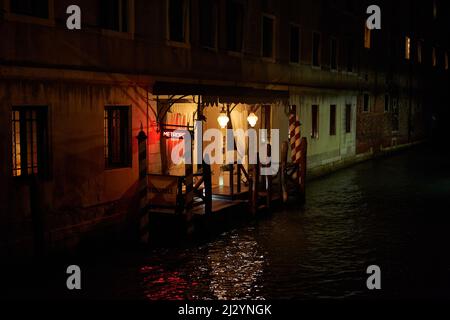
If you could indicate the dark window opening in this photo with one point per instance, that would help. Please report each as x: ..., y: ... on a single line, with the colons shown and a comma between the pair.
x: 295, y: 44
x: 117, y: 137
x: 366, y: 103
x: 316, y: 50
x: 268, y: 26
x: 419, y: 51
x: 435, y: 9
x: 386, y: 103
x: 348, y: 118
x: 235, y: 25
x: 29, y: 141
x: 446, y: 60
x: 115, y: 15
x: 332, y: 120
x: 178, y: 16
x: 395, y: 115
x: 208, y: 23
x: 333, y: 54
x: 315, y: 122
x: 33, y: 8
x: 350, y: 5
x: 349, y: 57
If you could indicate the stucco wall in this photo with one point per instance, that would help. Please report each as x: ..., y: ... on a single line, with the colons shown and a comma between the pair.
x: 326, y: 148
x: 79, y: 189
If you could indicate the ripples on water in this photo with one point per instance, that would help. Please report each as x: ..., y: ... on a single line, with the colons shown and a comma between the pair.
x: 386, y: 212
x: 228, y: 268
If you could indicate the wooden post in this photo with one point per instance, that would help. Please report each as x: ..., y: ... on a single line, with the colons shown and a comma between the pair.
x: 283, y: 177
x: 208, y: 187
x: 189, y: 197
x: 269, y: 179
x: 230, y: 137
x: 239, y: 178
x: 144, y: 227
x: 255, y: 187
x: 303, y: 168
x: 200, y: 117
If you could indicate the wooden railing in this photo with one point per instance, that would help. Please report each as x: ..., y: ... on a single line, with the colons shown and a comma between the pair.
x: 172, y: 192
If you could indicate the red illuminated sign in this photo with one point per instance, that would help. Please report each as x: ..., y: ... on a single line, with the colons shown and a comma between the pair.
x: 172, y: 134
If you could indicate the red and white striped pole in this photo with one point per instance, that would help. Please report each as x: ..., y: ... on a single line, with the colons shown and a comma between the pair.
x: 292, y: 121
x: 297, y: 151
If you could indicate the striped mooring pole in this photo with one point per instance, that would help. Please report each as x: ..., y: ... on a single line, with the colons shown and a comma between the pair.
x: 292, y: 121
x: 144, y: 228
x: 295, y: 139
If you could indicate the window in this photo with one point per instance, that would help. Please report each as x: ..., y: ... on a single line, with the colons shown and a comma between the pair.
x: 117, y: 137
x: 349, y: 56
x: 178, y: 20
x: 407, y: 48
x: 435, y: 9
x: 235, y: 25
x: 419, y: 51
x: 387, y: 105
x: 350, y: 6
x: 33, y: 8
x: 116, y: 15
x: 333, y: 54
x: 268, y: 36
x: 208, y: 23
x: 315, y: 122
x: 316, y: 50
x: 29, y: 141
x: 367, y: 37
x: 348, y: 118
x: 433, y: 57
x: 295, y: 44
x: 332, y: 120
x: 446, y: 60
x: 366, y: 101
x: 395, y: 115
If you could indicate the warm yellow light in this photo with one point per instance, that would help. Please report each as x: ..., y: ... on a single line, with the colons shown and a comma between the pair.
x: 223, y: 119
x: 407, y: 48
x: 252, y: 119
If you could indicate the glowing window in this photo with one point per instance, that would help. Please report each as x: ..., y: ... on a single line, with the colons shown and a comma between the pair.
x: 29, y: 141
x: 433, y: 57
x: 367, y: 38
x: 407, y: 48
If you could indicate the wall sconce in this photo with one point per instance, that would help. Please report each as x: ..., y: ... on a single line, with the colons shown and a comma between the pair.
x: 252, y: 119
x: 223, y: 118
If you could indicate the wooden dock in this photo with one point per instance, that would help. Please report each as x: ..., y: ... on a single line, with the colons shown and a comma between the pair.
x: 181, y: 205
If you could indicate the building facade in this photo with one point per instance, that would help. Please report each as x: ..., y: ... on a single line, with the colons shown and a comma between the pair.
x: 73, y: 101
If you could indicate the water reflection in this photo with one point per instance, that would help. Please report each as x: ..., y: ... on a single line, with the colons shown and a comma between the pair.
x: 385, y: 212
x: 228, y: 268
x: 234, y: 268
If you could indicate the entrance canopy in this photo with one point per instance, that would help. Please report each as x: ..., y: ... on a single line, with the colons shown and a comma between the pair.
x: 213, y: 95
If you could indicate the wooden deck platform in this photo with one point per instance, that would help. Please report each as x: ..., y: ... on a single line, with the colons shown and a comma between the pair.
x: 218, y: 206
x: 224, y: 193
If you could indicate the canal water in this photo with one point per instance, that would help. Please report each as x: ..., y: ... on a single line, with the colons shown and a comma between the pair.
x: 392, y: 212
